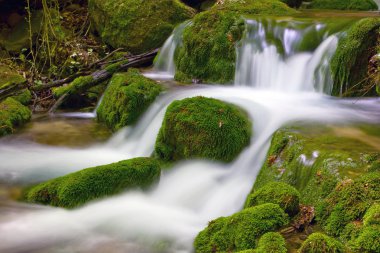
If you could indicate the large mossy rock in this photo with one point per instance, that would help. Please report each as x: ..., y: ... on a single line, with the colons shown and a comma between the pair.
x: 240, y: 231
x: 360, y: 5
x: 137, y: 25
x: 12, y: 114
x: 282, y: 194
x: 208, y: 51
x: 128, y: 95
x: 202, y: 127
x: 77, y: 188
x: 349, y: 65
x: 321, y: 243
x: 314, y: 159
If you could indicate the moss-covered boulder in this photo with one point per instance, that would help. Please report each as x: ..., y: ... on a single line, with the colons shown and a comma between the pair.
x: 349, y: 202
x: 77, y: 188
x: 349, y: 65
x: 137, y: 25
x: 12, y: 114
x: 202, y: 127
x: 9, y: 76
x: 321, y: 243
x: 208, y: 51
x: 286, y: 196
x: 360, y: 5
x: 240, y: 231
x: 314, y: 159
x: 128, y: 95
x: 271, y: 242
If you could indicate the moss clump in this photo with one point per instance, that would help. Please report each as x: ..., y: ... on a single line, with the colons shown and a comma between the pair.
x: 368, y: 240
x: 320, y: 243
x: 271, y: 243
x: 24, y: 97
x: 372, y: 216
x: 348, y: 202
x: 202, y: 127
x: 137, y: 25
x: 12, y: 114
x: 286, y: 196
x: 241, y: 230
x: 208, y: 50
x: 360, y: 5
x: 9, y: 76
x: 349, y: 64
x: 77, y: 188
x: 79, y: 85
x: 128, y: 95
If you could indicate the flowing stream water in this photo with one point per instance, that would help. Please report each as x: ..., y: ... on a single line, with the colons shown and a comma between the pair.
x: 278, y: 82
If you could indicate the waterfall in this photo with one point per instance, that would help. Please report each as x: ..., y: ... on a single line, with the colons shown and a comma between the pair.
x: 286, y: 56
x: 164, y: 66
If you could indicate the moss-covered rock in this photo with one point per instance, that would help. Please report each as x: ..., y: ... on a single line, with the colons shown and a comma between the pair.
x: 348, y: 202
x: 12, y: 115
x: 321, y: 243
x: 137, y: 25
x: 349, y: 64
x: 240, y: 231
x: 271, y: 242
x: 9, y: 76
x: 368, y: 240
x: 128, y: 95
x: 208, y: 50
x: 360, y: 5
x: 286, y: 196
x: 202, y: 127
x: 314, y: 159
x: 372, y: 216
x: 77, y: 188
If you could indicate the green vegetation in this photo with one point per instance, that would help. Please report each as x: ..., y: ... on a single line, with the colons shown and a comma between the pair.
x: 77, y: 188
x: 348, y: 202
x: 12, y: 114
x: 9, y: 76
x: 271, y: 242
x: 137, y: 25
x: 242, y: 230
x: 360, y: 5
x: 349, y: 64
x: 286, y: 196
x: 314, y: 159
x: 208, y: 52
x: 24, y: 97
x: 202, y: 127
x: 80, y: 84
x: 128, y: 95
x: 320, y: 243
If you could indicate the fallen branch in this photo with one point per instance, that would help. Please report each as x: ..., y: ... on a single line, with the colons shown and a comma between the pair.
x: 83, y: 83
x: 11, y: 89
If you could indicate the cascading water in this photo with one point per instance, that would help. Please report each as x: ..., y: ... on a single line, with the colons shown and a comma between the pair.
x: 190, y: 194
x: 286, y: 56
x: 164, y: 67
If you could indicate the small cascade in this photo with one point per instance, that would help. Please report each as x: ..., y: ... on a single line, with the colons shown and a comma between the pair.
x: 286, y: 55
x: 164, y: 66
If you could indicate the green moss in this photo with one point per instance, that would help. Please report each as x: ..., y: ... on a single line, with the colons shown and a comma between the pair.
x: 286, y: 196
x: 372, y: 216
x: 208, y: 51
x: 360, y: 5
x: 24, y: 96
x: 12, y: 114
x: 77, y: 188
x: 368, y: 240
x: 202, y: 127
x: 9, y: 76
x: 271, y: 243
x: 77, y: 86
x: 137, y: 25
x: 320, y: 243
x: 349, y: 64
x: 241, y: 230
x: 128, y: 95
x: 314, y: 159
x: 348, y: 202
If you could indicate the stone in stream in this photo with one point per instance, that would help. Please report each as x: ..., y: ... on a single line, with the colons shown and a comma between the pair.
x: 208, y: 52
x: 128, y: 95
x: 318, y: 242
x: 242, y: 230
x: 137, y: 25
x: 205, y: 128
x: 80, y: 187
x: 12, y: 114
x: 360, y: 5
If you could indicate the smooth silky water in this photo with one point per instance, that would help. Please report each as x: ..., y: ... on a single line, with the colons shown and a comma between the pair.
x: 277, y: 82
